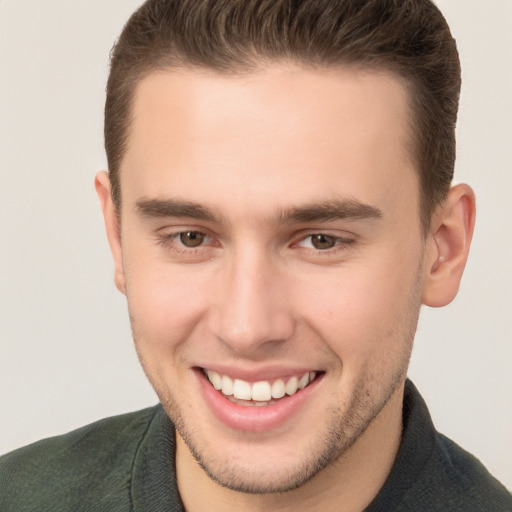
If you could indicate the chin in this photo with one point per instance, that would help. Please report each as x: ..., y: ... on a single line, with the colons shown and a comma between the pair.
x: 277, y: 463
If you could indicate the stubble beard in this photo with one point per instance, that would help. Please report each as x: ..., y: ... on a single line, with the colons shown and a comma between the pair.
x: 346, y: 427
x: 346, y: 424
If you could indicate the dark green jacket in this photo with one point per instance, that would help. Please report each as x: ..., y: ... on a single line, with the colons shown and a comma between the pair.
x: 126, y: 463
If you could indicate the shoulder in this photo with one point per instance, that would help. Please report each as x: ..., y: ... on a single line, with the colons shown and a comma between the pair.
x: 445, y: 476
x: 95, y: 460
x: 463, y: 479
x: 433, y: 474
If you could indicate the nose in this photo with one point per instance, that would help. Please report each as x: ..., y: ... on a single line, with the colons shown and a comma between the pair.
x: 252, y: 312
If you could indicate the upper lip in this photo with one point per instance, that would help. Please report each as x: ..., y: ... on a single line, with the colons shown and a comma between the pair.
x: 258, y: 374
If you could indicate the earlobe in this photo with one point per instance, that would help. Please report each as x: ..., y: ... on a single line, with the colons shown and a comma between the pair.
x: 448, y: 246
x: 112, y: 227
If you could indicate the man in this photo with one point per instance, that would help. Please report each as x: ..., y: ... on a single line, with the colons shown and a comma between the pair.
x: 278, y: 206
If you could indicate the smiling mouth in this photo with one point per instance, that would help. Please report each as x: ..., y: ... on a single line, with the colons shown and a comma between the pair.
x: 260, y: 393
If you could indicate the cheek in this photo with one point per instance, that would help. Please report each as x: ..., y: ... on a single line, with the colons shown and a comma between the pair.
x: 165, y: 303
x: 362, y: 310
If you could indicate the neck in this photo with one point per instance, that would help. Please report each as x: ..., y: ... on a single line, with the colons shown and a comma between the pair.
x: 347, y: 485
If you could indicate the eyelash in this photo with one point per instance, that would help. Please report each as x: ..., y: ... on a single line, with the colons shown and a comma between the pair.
x: 171, y: 241
x: 340, y: 243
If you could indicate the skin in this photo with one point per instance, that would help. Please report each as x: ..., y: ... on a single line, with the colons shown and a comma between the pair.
x: 256, y: 152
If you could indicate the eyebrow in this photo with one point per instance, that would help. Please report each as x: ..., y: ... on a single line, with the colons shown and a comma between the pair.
x: 334, y: 209
x: 176, y: 208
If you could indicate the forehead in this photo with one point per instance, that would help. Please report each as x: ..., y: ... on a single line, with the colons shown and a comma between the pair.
x: 284, y: 133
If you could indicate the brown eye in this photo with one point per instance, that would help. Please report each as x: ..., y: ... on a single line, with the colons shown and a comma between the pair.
x: 323, y: 241
x: 192, y: 238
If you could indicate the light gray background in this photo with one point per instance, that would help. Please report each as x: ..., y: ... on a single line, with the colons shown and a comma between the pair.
x: 66, y: 356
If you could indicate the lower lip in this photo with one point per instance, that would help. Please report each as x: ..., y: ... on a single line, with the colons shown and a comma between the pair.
x: 253, y: 418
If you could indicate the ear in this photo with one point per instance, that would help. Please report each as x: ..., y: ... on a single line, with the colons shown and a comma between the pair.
x: 112, y: 226
x: 448, y: 246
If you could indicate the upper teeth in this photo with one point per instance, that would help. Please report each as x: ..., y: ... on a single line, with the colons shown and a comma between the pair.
x: 263, y: 390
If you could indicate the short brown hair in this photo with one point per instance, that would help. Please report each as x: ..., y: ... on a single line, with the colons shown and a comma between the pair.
x: 407, y: 37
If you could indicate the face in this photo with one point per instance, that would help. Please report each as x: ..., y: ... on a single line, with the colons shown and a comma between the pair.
x: 272, y: 262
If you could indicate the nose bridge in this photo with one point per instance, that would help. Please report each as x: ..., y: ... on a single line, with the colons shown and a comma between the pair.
x: 252, y: 309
